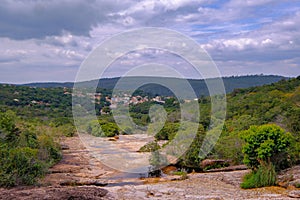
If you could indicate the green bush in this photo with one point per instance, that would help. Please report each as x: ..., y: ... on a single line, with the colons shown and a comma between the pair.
x: 49, y: 151
x: 264, y: 176
x: 110, y: 129
x: 183, y: 174
x: 103, y: 128
x: 229, y: 147
x: 168, y: 131
x: 20, y: 166
x: 67, y: 130
x: 191, y: 158
x: 266, y: 143
x: 150, y: 147
x: 26, y: 150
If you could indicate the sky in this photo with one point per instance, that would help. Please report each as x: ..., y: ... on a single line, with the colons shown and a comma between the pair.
x: 47, y: 40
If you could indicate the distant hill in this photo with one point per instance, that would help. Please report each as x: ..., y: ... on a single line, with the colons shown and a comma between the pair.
x: 199, y: 86
x: 50, y: 84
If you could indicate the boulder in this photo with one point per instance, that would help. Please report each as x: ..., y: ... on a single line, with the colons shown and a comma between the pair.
x: 294, y: 194
x: 210, y: 163
x: 169, y: 169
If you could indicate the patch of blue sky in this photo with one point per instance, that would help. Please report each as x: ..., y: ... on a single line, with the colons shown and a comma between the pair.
x: 217, y: 4
x: 250, y: 24
x: 278, y: 9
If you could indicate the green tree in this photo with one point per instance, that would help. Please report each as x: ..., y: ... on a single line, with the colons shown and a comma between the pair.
x: 168, y: 131
x: 8, y: 130
x: 191, y: 158
x: 265, y: 144
x: 103, y: 128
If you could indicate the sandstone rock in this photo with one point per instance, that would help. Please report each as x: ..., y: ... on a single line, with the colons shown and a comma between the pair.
x: 64, y: 147
x: 283, y: 184
x: 210, y: 163
x: 228, y: 169
x: 56, y: 193
x: 295, y: 183
x: 117, y: 137
x: 169, y: 169
x: 294, y: 194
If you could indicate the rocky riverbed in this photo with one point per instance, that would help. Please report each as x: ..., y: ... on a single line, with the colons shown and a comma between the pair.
x: 79, y: 175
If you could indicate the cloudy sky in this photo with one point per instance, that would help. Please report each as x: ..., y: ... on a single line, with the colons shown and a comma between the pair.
x: 47, y: 40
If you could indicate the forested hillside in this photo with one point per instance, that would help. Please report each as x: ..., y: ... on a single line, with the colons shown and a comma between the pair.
x: 277, y: 103
x: 36, y: 102
x: 199, y: 86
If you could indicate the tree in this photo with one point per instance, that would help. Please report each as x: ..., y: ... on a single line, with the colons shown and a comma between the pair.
x: 103, y: 128
x: 8, y: 130
x: 191, y: 158
x: 265, y: 144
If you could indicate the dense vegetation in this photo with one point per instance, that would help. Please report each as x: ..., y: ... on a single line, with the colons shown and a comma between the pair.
x: 26, y: 150
x: 29, y: 102
x: 31, y: 122
x: 277, y: 103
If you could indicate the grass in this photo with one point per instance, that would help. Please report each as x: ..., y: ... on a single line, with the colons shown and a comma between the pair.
x: 264, y: 176
x: 183, y: 174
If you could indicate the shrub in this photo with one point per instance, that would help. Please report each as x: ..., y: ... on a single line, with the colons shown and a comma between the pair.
x: 20, y: 166
x: 229, y: 147
x: 67, y: 130
x: 110, y: 129
x: 26, y: 150
x: 183, y: 174
x: 102, y: 128
x: 266, y: 143
x: 191, y: 158
x: 49, y: 151
x: 168, y: 131
x: 150, y: 147
x: 156, y: 160
x: 264, y: 176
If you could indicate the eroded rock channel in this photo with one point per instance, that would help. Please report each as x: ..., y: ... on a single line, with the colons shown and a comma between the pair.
x: 79, y: 175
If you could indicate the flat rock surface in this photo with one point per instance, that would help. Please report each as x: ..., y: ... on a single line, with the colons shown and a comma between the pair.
x: 81, y: 176
x: 200, y: 186
x: 54, y: 193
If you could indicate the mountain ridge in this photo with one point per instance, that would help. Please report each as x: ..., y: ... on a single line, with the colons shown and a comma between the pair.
x: 199, y: 85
